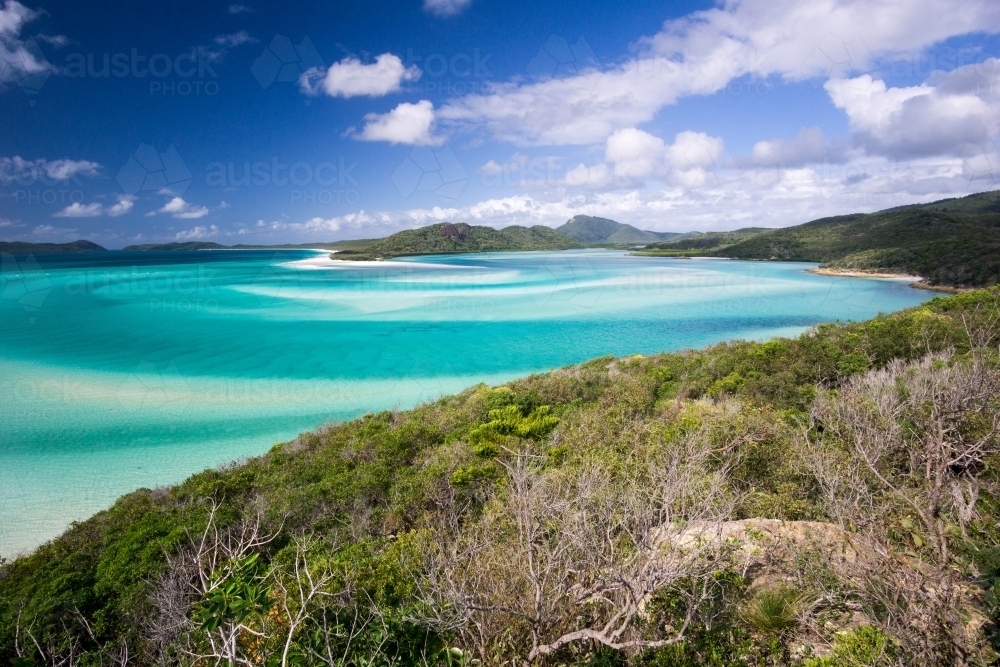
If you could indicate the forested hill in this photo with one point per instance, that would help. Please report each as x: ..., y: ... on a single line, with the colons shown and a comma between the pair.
x: 823, y: 501
x: 949, y: 242
x: 594, y: 230
x: 446, y: 238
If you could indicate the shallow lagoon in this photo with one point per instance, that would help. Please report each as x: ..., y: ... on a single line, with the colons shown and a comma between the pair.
x: 124, y: 370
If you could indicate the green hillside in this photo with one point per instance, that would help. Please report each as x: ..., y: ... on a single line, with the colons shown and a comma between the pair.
x: 949, y: 242
x: 823, y: 501
x: 592, y: 230
x: 445, y: 237
x: 23, y: 248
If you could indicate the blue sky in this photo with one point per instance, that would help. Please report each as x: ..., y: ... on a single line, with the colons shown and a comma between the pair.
x: 297, y: 122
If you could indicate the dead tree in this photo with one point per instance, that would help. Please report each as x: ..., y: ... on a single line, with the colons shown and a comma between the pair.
x: 899, y: 456
x: 564, y: 558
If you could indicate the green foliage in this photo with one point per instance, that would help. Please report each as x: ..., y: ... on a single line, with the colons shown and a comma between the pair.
x: 445, y: 237
x: 237, y: 591
x: 773, y: 611
x: 864, y: 647
x: 510, y: 421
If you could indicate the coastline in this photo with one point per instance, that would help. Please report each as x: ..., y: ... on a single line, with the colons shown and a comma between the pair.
x: 916, y: 282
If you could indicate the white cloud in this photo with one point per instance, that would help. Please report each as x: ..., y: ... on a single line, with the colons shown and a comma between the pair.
x: 704, y: 51
x: 17, y: 57
x: 635, y: 153
x: 78, y: 210
x: 352, y: 78
x: 123, y: 206
x: 446, y: 7
x: 312, y: 225
x: 943, y: 116
x: 492, y: 167
x: 594, y: 177
x: 235, y: 39
x: 25, y: 172
x: 238, y: 9
x: 406, y: 124
x: 96, y: 209
x: 183, y: 210
x: 809, y: 146
x: 727, y: 198
x: 197, y: 233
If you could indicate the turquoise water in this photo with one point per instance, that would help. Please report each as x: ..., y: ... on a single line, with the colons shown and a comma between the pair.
x: 126, y: 370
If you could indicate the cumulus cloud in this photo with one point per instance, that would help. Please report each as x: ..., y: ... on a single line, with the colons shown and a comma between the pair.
x: 96, y: 209
x: 78, y: 210
x: 702, y: 52
x: 25, y: 172
x: 238, y: 9
x: 809, y: 146
x: 410, y: 124
x: 635, y: 153
x: 312, y: 225
x: 197, y: 233
x: 352, y: 78
x: 943, y: 116
x: 446, y: 7
x: 235, y: 39
x: 183, y: 210
x: 596, y: 176
x: 123, y: 206
x: 687, y: 161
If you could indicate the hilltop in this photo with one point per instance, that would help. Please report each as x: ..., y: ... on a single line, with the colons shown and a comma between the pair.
x: 594, y: 231
x: 24, y: 248
x: 446, y: 238
x: 949, y: 242
x: 820, y: 501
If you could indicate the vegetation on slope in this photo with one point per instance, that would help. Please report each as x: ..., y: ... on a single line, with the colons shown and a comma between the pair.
x: 827, y: 500
x: 949, y: 242
x: 602, y: 231
x: 445, y: 238
x: 24, y: 248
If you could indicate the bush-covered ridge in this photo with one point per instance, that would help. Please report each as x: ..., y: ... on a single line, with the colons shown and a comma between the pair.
x: 609, y: 513
x: 951, y: 242
x: 445, y: 238
x: 594, y: 230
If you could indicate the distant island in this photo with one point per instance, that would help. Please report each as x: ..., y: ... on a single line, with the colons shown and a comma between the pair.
x: 447, y: 238
x: 953, y: 242
x: 24, y: 248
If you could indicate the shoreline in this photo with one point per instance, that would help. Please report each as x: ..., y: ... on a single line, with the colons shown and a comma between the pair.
x: 916, y: 282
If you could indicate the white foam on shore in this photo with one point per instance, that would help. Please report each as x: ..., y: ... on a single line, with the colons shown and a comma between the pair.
x: 328, y: 262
